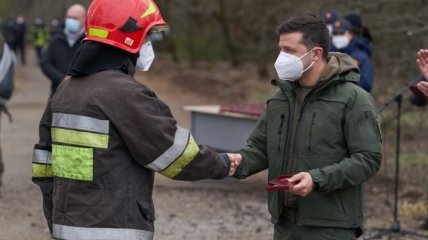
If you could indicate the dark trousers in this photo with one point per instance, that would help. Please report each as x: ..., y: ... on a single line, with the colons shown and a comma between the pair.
x: 20, y: 46
x: 286, y: 230
x: 39, y: 50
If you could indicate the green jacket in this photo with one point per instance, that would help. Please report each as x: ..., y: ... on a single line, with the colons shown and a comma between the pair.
x: 338, y: 142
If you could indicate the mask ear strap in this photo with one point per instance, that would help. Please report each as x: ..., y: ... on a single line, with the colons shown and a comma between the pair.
x: 310, y: 65
x: 304, y: 55
x: 313, y: 62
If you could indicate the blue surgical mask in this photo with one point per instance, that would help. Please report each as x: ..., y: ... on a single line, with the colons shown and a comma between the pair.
x: 72, y: 25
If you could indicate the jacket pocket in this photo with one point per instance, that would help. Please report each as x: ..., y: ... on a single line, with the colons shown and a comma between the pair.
x: 372, y: 127
x: 281, y: 126
x: 320, y: 207
x: 311, y: 129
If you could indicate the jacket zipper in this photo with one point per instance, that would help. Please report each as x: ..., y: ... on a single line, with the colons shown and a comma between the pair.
x: 310, y: 131
x: 287, y: 137
x: 290, y: 115
x: 296, y: 145
x: 280, y: 131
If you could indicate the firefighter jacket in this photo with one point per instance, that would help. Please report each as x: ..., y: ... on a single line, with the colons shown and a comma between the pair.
x: 337, y: 140
x: 102, y: 138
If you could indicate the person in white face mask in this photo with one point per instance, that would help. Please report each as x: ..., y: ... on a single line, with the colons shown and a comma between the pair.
x: 329, y: 16
x: 318, y: 138
x: 63, y: 45
x: 343, y: 41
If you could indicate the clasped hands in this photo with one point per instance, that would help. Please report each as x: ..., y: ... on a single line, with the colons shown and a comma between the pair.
x: 235, y: 161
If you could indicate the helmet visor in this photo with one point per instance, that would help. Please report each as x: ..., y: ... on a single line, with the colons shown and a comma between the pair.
x: 158, y: 33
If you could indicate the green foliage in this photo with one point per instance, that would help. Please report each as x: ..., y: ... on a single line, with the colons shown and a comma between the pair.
x: 205, y: 48
x: 3, y: 7
x: 47, y: 9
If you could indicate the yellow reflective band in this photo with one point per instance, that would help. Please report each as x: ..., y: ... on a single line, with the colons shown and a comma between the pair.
x: 150, y: 10
x: 188, y: 155
x: 96, y: 32
x: 42, y: 170
x: 86, y: 139
x: 73, y: 162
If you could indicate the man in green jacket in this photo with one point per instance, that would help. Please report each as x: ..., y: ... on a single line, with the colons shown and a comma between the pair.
x: 320, y: 128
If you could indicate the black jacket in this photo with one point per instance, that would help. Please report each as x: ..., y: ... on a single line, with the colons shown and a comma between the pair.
x: 57, y: 57
x: 102, y: 137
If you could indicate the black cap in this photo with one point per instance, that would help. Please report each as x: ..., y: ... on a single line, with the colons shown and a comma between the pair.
x: 355, y: 20
x: 328, y: 16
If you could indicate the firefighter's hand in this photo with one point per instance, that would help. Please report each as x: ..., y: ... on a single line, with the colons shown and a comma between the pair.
x: 235, y: 160
x: 303, y: 184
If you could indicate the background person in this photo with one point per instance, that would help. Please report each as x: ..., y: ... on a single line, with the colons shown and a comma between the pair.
x: 39, y: 36
x: 9, y: 33
x: 343, y: 41
x: 329, y: 16
x: 7, y: 71
x: 63, y: 45
x: 422, y: 63
x: 320, y: 128
x: 361, y: 33
x: 20, y: 31
x: 55, y: 27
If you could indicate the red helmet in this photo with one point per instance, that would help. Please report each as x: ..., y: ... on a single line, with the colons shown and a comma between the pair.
x: 124, y: 24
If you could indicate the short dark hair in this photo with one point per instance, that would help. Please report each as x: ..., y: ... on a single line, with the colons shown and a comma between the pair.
x: 315, y: 32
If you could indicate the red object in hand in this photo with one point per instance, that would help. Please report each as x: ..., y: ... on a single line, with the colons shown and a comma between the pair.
x: 279, y: 184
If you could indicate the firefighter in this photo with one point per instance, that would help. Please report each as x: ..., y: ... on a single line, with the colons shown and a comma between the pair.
x: 104, y: 135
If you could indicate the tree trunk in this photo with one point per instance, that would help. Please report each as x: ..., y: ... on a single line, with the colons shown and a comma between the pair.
x: 222, y: 17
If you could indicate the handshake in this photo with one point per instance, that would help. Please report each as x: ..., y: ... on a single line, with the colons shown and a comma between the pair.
x: 235, y: 161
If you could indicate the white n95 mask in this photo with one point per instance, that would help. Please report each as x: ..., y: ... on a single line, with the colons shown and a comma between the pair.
x: 146, y: 57
x: 340, y: 41
x: 290, y: 67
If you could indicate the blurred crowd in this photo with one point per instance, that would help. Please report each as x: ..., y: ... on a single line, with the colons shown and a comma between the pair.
x: 17, y: 32
x: 350, y: 35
